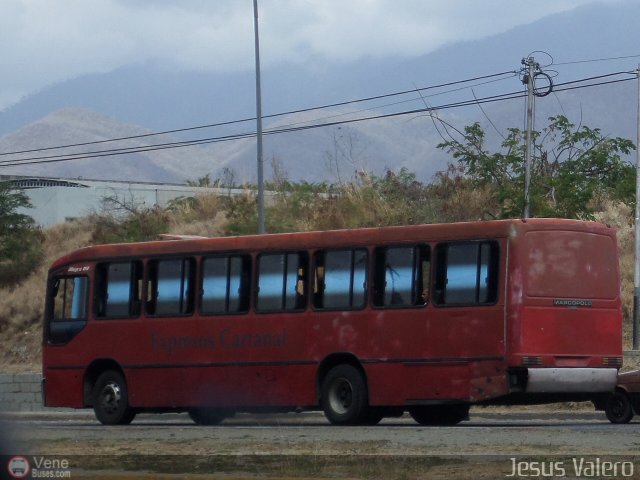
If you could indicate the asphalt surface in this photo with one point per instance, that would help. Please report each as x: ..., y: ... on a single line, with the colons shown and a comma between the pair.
x: 489, y: 443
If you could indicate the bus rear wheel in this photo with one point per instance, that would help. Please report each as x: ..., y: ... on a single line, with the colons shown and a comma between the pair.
x: 344, y: 398
x: 207, y: 416
x: 440, y: 415
x: 111, y: 399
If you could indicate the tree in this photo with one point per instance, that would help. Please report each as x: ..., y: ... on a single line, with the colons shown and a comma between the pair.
x: 20, y: 240
x: 127, y: 220
x: 572, y: 167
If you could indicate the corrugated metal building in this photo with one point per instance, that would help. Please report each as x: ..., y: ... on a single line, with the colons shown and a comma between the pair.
x: 56, y: 200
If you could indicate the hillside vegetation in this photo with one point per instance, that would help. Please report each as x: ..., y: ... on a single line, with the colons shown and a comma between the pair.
x: 579, y: 176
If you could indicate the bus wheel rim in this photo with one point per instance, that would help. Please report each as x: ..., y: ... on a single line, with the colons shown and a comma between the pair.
x: 110, y: 398
x: 341, y: 396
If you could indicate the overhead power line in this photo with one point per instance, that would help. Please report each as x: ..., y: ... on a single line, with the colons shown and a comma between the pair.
x: 240, y: 136
x: 252, y: 119
x: 595, y: 60
x: 297, y: 128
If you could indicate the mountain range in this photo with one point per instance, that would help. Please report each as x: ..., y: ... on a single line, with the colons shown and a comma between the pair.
x: 141, y: 99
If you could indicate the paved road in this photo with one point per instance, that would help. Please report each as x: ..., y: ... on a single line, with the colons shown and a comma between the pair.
x: 488, y: 442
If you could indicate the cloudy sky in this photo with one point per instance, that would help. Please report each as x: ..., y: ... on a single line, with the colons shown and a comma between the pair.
x: 46, y: 41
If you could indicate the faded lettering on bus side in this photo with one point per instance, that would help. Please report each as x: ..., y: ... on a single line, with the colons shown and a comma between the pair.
x: 226, y: 339
x: 252, y: 340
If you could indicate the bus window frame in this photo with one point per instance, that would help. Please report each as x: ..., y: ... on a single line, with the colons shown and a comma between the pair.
x: 426, y: 247
x: 437, y: 272
x: 305, y: 281
x: 247, y: 261
x: 136, y: 263
x: 148, y: 267
x: 367, y: 279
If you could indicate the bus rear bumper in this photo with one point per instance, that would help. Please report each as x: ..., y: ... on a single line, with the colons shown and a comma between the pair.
x: 571, y: 380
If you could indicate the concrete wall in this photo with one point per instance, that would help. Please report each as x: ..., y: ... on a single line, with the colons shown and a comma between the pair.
x: 20, y: 392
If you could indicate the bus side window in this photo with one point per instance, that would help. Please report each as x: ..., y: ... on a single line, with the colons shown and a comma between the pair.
x: 170, y: 287
x: 340, y: 279
x: 118, y: 290
x: 401, y: 276
x: 467, y: 273
x: 69, y: 299
x: 225, y: 284
x: 281, y: 282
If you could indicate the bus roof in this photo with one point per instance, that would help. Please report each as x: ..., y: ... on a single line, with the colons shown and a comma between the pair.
x: 332, y: 238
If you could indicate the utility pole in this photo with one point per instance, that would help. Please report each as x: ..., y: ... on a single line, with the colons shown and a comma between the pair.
x: 528, y: 79
x: 636, y: 277
x: 261, y: 228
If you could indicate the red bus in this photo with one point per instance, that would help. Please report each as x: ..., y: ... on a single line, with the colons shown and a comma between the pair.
x: 361, y: 324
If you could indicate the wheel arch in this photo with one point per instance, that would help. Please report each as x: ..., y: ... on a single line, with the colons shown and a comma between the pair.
x: 93, y: 371
x: 333, y: 360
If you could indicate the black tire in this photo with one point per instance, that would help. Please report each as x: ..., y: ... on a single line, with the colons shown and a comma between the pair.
x: 440, y: 415
x: 111, y: 399
x: 344, y: 397
x: 207, y: 416
x: 618, y: 408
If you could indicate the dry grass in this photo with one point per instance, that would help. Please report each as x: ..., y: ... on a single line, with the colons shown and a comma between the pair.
x: 621, y: 217
x: 206, y: 217
x: 631, y: 362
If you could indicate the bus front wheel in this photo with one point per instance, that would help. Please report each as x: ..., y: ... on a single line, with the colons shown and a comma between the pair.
x: 111, y: 399
x: 344, y: 396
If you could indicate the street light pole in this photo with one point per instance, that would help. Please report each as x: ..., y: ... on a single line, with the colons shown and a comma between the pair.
x: 636, y: 276
x: 261, y: 226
